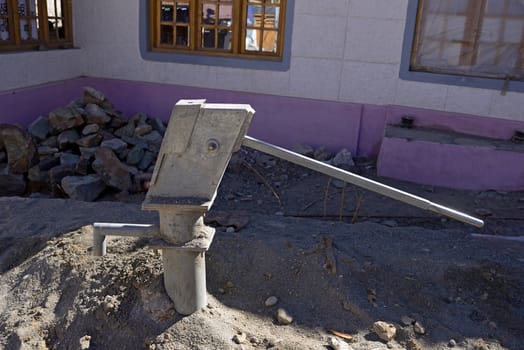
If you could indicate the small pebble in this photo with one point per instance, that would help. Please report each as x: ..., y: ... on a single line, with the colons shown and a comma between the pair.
x: 240, y: 338
x: 452, y: 343
x: 338, y: 344
x: 229, y: 284
x: 85, y: 342
x: 230, y: 229
x: 418, y: 328
x: 221, y: 290
x: 407, y: 321
x: 271, y: 301
x: 283, y: 317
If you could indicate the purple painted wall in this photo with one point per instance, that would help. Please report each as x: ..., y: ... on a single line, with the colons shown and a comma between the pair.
x: 286, y: 121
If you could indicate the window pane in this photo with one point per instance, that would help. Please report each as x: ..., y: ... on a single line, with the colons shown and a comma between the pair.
x: 166, y: 34
x: 208, y: 38
x: 271, y: 17
x: 166, y: 11
x: 4, y: 29
x: 60, y: 29
x: 4, y: 21
x: 24, y: 29
x: 182, y: 13
x: 269, y: 43
x: 208, y: 13
x: 224, y: 39
x: 225, y: 15
x: 252, y: 36
x: 182, y: 36
x: 21, y: 8
x: 254, y: 14
x: 495, y: 7
x: 51, y: 11
x: 466, y: 38
x: 59, y: 8
x: 3, y: 7
x: 515, y: 8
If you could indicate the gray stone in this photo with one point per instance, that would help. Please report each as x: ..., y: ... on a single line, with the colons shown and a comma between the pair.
x: 153, y: 137
x: 57, y: 173
x: 47, y: 151
x: 322, y: 154
x: 47, y: 163
x: 305, y: 150
x: 115, y: 144
x: 135, y: 155
x: 143, y: 129
x: 67, y: 138
x: 19, y: 147
x: 385, y: 331
x: 343, y: 159
x: 89, y: 140
x: 69, y: 159
x: 283, y: 318
x: 271, y: 301
x: 158, y: 125
x: 126, y: 131
x: 83, y: 166
x: 35, y: 174
x: 407, y: 321
x: 64, y: 118
x: 135, y: 141
x: 106, y: 135
x: 90, y: 129
x: 111, y: 169
x: 83, y: 188
x: 147, y: 160
x: 92, y: 95
x: 96, y: 114
x: 139, y: 118
x: 240, y: 338
x: 39, y: 128
x: 51, y: 141
x: 418, y: 328
x: 338, y: 344
x: 87, y: 151
x: 118, y: 120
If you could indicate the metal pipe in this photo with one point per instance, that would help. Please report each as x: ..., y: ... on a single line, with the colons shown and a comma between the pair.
x: 360, y: 181
x: 103, y: 229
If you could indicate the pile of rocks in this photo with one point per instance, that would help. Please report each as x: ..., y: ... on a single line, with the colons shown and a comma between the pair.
x: 80, y: 150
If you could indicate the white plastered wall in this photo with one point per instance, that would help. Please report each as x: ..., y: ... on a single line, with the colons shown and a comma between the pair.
x: 342, y: 50
x: 29, y: 68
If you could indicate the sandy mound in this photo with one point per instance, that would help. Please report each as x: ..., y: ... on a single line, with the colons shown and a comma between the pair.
x: 54, y: 294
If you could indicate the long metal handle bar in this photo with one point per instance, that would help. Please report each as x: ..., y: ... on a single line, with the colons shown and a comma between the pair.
x: 359, y: 181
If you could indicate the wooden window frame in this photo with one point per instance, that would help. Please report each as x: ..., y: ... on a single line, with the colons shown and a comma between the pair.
x: 45, y: 40
x: 470, y: 44
x: 238, y: 28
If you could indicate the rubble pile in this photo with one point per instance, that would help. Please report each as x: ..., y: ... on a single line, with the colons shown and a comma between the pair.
x: 80, y: 150
x: 89, y: 148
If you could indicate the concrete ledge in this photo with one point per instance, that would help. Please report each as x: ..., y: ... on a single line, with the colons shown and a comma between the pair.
x: 451, y: 160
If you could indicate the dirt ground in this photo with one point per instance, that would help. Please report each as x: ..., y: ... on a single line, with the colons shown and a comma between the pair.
x: 335, y: 257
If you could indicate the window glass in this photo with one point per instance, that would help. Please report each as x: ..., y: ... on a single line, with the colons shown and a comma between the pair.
x: 224, y: 27
x: 470, y: 37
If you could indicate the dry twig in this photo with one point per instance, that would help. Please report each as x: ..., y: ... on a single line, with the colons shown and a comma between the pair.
x: 263, y: 179
x: 360, y: 201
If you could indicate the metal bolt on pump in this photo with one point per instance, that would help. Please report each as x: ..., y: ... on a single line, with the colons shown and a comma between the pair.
x: 195, y: 151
